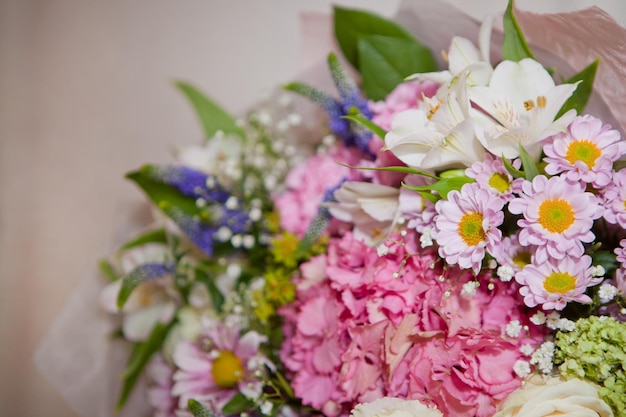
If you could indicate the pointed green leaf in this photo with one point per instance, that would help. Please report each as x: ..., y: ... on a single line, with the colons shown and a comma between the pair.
x: 198, y: 410
x: 385, y: 62
x: 429, y: 196
x: 141, y: 354
x: 530, y: 168
x: 237, y: 405
x: 217, y: 298
x: 514, y: 46
x: 578, y: 100
x: 144, y: 272
x: 368, y: 124
x: 405, y: 169
x: 351, y: 25
x: 151, y: 236
x: 443, y: 186
x: 161, y: 193
x: 212, y: 117
x: 515, y: 173
x: 107, y: 270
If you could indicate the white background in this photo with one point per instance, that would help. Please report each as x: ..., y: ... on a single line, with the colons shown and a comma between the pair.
x: 85, y: 96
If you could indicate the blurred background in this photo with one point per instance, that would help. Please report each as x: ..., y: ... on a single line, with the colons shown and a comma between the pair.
x: 86, y: 95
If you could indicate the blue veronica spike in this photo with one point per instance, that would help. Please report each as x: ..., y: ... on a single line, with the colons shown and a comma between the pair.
x: 190, y: 182
x: 236, y: 220
x: 146, y: 272
x: 198, y: 232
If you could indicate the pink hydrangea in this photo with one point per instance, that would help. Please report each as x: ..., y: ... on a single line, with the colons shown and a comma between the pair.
x: 467, y: 224
x: 309, y: 182
x: 558, y: 216
x: 353, y: 336
x: 218, y: 365
x: 586, y: 152
x: 614, y: 196
x: 557, y: 282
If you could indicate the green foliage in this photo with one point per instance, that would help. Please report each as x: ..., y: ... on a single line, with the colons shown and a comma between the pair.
x: 529, y: 166
x: 381, y: 50
x: 140, y: 355
x: 594, y: 351
x: 237, y: 405
x: 385, y: 62
x: 107, y: 270
x: 151, y: 236
x: 368, y: 124
x: 212, y: 117
x: 442, y: 186
x: 514, y: 46
x: 607, y: 259
x: 584, y: 79
x: 198, y: 410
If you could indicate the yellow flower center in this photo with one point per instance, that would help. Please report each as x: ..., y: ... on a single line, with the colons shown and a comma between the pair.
x: 500, y: 182
x: 522, y: 259
x: 583, y: 150
x: 556, y: 215
x: 560, y: 282
x: 227, y: 369
x: 471, y: 229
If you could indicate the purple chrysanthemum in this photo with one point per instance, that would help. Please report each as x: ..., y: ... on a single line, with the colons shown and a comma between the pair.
x: 558, y: 216
x: 614, y: 195
x: 466, y: 224
x: 586, y: 152
x: 492, y: 175
x: 556, y: 282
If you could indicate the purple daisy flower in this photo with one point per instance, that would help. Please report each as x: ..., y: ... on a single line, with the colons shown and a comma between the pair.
x: 556, y: 282
x: 586, y: 152
x: 467, y: 224
x: 558, y: 216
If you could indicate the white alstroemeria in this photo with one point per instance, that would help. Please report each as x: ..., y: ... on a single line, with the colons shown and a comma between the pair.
x: 519, y: 108
x: 373, y: 208
x: 439, y: 134
x: 464, y: 57
x: 151, y: 302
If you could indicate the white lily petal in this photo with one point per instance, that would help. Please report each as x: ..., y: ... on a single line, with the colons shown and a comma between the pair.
x: 461, y: 54
x: 543, y: 117
x: 484, y: 37
x: 458, y: 148
x: 381, y: 209
x: 412, y: 149
x: 439, y: 77
x: 138, y: 324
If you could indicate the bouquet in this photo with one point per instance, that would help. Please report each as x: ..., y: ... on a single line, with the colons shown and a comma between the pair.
x: 437, y: 242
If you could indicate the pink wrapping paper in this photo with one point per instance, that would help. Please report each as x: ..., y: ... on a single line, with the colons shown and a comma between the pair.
x: 78, y: 357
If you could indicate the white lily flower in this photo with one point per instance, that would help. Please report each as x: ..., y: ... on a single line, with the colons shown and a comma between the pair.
x: 519, y: 107
x: 464, y: 57
x: 440, y: 134
x: 373, y: 208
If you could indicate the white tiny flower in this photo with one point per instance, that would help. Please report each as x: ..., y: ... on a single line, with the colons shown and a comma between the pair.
x: 255, y: 214
x: 236, y: 241
x: 426, y: 239
x: 597, y: 270
x: 526, y: 349
x: 505, y: 273
x: 521, y: 368
x: 543, y: 357
x: 233, y: 270
x: 282, y: 125
x: 200, y: 202
x: 266, y: 408
x: 469, y: 290
x: 552, y: 321
x: 538, y: 318
x: 514, y: 328
x: 492, y: 264
x: 329, y: 140
x: 285, y: 100
x: 264, y: 117
x: 210, y: 182
x: 566, y: 325
x: 223, y: 234
x: 607, y: 292
x: 294, y: 119
x: 382, y: 250
x: 248, y: 241
x: 232, y: 203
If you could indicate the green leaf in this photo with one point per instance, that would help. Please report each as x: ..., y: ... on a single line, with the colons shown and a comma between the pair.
x: 429, y: 196
x: 198, y: 410
x: 144, y: 272
x: 443, y: 186
x: 530, y: 168
x: 141, y: 354
x: 237, y: 405
x: 368, y: 124
x: 152, y: 236
x: 578, y: 99
x: 212, y: 117
x: 161, y: 193
x: 351, y: 25
x: 406, y: 170
x: 515, y: 173
x: 607, y: 259
x: 514, y: 46
x: 217, y: 298
x: 107, y: 270
x: 384, y: 62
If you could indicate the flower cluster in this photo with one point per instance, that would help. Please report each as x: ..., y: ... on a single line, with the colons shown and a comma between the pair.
x: 441, y: 244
